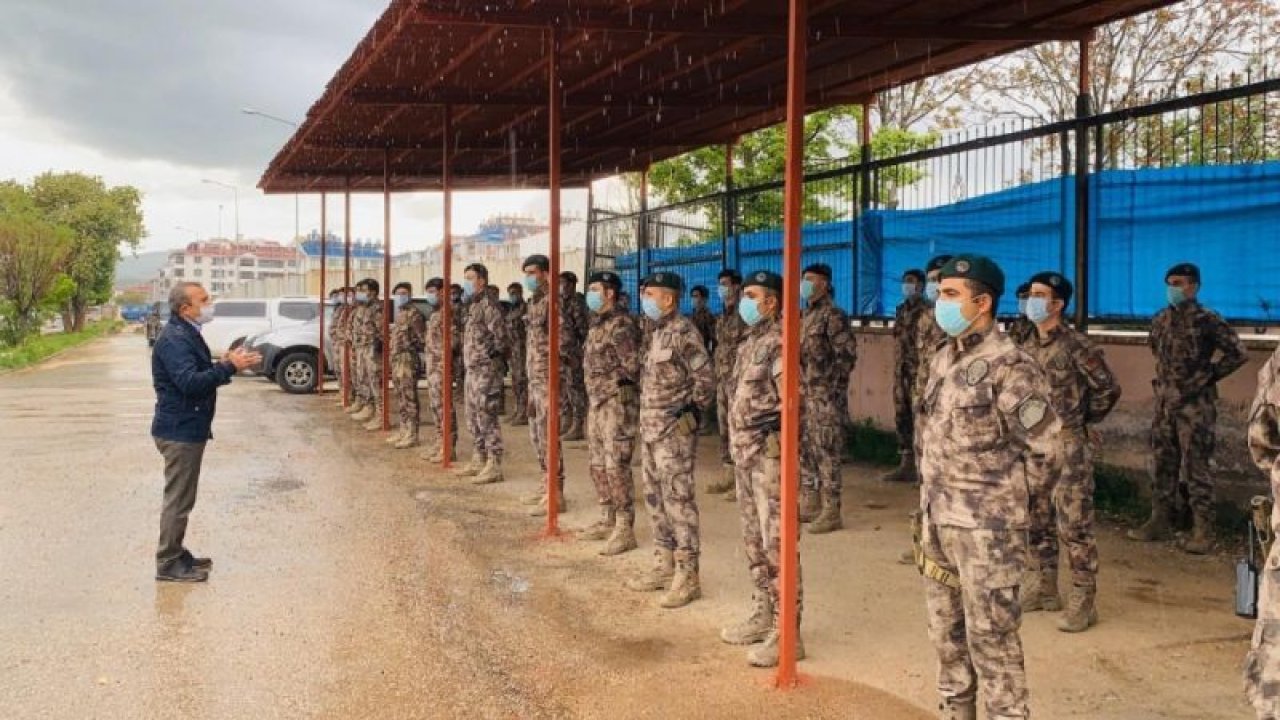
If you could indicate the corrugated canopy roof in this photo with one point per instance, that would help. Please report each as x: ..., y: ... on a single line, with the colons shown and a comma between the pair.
x: 643, y: 80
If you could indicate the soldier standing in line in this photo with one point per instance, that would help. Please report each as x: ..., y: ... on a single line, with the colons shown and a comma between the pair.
x: 755, y: 420
x: 612, y: 364
x: 678, y: 386
x: 484, y: 343
x: 1021, y: 329
x: 338, y: 339
x: 355, y: 378
x: 828, y: 353
x: 705, y: 321
x: 987, y: 434
x: 537, y: 357
x: 573, y: 335
x: 1262, y: 664
x: 519, y: 373
x: 1083, y: 391
x: 906, y: 361
x: 502, y: 363
x: 434, y: 358
x: 1185, y: 337
x: 366, y: 339
x: 460, y: 309
x: 408, y: 336
x: 730, y: 330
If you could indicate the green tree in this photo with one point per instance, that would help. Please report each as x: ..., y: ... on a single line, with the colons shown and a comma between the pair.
x: 32, y: 255
x: 101, y: 220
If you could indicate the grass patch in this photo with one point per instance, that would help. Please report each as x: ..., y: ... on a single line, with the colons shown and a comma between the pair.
x: 870, y: 444
x: 42, y: 347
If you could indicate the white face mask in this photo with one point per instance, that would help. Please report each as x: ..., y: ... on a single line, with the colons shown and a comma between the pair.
x: 206, y: 315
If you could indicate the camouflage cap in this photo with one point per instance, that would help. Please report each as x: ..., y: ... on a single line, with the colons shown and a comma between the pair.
x: 1189, y: 270
x: 1056, y: 282
x: 937, y: 263
x: 605, y: 277
x: 976, y: 267
x: 665, y: 280
x: 765, y: 279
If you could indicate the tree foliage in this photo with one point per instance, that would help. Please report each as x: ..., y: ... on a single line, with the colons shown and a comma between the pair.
x: 32, y: 255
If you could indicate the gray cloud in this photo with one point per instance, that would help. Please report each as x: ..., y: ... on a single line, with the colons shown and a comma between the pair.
x: 165, y: 79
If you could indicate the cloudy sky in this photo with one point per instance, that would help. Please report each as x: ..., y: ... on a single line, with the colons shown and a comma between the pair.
x: 149, y: 93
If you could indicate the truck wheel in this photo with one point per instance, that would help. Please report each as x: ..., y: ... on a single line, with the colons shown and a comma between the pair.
x: 296, y: 373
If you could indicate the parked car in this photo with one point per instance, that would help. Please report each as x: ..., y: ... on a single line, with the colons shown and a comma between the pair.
x: 235, y: 320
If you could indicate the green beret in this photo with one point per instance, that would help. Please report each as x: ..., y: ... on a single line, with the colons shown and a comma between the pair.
x: 1060, y: 286
x: 937, y: 263
x: 605, y: 277
x: 667, y: 280
x: 765, y: 279
x: 1185, y: 270
x: 975, y: 267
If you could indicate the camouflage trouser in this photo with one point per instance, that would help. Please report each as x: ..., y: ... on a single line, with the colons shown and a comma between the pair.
x: 519, y: 384
x: 404, y: 378
x: 370, y: 375
x: 668, y: 492
x: 573, y: 390
x: 611, y: 440
x: 346, y: 370
x: 1262, y: 664
x: 1182, y: 441
x: 538, y: 429
x: 975, y: 627
x: 821, y: 444
x: 903, y: 412
x: 435, y: 391
x: 1067, y: 513
x: 758, y: 481
x: 722, y: 420
x: 483, y: 401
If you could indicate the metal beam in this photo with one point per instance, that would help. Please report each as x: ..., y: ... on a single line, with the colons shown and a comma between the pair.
x: 446, y: 296
x: 553, y: 291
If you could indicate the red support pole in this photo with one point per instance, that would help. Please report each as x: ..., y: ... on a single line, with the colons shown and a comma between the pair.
x: 324, y: 270
x: 553, y: 292
x: 386, y: 290
x: 346, y: 284
x: 446, y: 300
x: 793, y: 206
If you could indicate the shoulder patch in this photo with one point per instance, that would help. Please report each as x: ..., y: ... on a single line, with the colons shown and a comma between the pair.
x: 977, y: 371
x: 1032, y: 412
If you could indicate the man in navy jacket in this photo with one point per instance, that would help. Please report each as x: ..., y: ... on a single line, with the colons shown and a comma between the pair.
x: 186, y: 381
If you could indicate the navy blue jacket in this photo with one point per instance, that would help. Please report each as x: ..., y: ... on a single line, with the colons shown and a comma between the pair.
x: 186, y: 380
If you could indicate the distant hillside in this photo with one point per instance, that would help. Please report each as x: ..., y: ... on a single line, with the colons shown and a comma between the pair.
x: 134, y: 270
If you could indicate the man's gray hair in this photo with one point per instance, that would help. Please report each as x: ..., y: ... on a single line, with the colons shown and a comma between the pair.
x: 178, y: 296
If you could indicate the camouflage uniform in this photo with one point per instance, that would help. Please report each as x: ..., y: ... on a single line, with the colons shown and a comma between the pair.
x: 755, y: 417
x: 677, y: 373
x: 730, y: 329
x: 612, y: 364
x: 705, y: 321
x: 646, y: 337
x: 1262, y: 665
x: 366, y: 341
x: 537, y: 364
x: 519, y: 373
x: 1021, y: 330
x: 828, y: 352
x: 1082, y: 390
x: 573, y: 335
x: 408, y: 336
x: 906, y: 365
x: 484, y: 343
x: 929, y: 337
x: 434, y: 355
x: 1184, y: 340
x: 338, y: 340
x: 987, y: 435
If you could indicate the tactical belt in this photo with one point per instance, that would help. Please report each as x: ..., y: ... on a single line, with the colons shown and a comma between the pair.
x: 925, y: 564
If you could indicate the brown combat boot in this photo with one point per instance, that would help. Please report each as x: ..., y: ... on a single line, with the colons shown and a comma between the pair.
x: 408, y: 439
x: 1201, y: 540
x: 685, y: 587
x: 656, y: 577
x: 810, y: 504
x: 394, y: 437
x: 602, y: 528
x: 906, y: 470
x: 490, y: 473
x: 355, y: 407
x: 473, y: 467
x: 1081, y: 613
x: 724, y: 483
x: 535, y: 498
x: 623, y: 538
x: 540, y: 510
x: 757, y: 625
x: 437, y: 455
x: 1040, y: 591
x: 1156, y: 528
x: 366, y: 412
x: 765, y: 655
x: 829, y: 520
x: 375, y: 421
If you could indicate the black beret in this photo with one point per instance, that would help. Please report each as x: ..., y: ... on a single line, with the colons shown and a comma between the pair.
x: 732, y: 274
x: 916, y: 273
x: 1024, y: 288
x: 570, y: 276
x: 542, y: 262
x: 937, y: 263
x: 604, y: 277
x: 1060, y: 286
x: 435, y: 283
x: 667, y: 280
x: 765, y: 279
x: 976, y: 267
x: 699, y: 289
x: 1185, y: 270
x: 822, y: 269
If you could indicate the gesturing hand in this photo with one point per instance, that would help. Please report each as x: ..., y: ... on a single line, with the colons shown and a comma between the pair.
x: 241, y: 358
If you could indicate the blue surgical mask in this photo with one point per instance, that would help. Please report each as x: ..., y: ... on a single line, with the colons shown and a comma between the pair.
x: 949, y: 317
x: 910, y: 290
x: 650, y: 307
x: 1036, y: 309
x: 725, y: 293
x: 530, y: 284
x: 433, y: 299
x: 749, y: 310
x: 362, y: 297
x: 806, y: 289
x: 931, y: 290
x: 468, y: 288
x: 401, y: 301
x: 595, y: 301
x: 1174, y: 295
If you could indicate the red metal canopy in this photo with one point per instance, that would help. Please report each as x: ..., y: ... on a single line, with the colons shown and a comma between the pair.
x: 642, y: 81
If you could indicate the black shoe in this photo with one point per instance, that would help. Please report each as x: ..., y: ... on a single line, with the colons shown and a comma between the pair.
x: 181, y: 572
x: 198, y: 563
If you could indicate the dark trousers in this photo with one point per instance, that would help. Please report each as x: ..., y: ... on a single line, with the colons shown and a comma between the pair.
x: 181, y: 476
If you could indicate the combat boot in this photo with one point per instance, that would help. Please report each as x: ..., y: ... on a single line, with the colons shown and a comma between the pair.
x: 1201, y: 540
x: 536, y: 498
x: 473, y: 467
x: 829, y: 520
x: 375, y: 421
x: 540, y: 510
x: 1040, y: 592
x: 408, y: 440
x: 905, y: 472
x: 810, y: 504
x: 437, y: 456
x: 657, y: 577
x: 623, y: 538
x: 765, y: 655
x: 958, y: 711
x: 602, y: 528
x: 355, y: 407
x: 685, y: 587
x: 757, y: 625
x: 725, y: 483
x: 366, y: 412
x: 1081, y: 613
x: 490, y: 473
x: 1156, y: 528
x: 396, y: 436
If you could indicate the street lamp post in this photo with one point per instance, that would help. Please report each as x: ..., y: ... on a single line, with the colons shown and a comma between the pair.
x: 294, y: 125
x: 235, y: 196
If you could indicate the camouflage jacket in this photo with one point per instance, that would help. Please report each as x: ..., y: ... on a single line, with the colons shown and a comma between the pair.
x: 1021, y: 330
x: 1081, y: 386
x: 730, y: 329
x: 575, y: 323
x: 434, y: 351
x: 612, y: 355
x: 906, y: 319
x: 485, y: 337
x: 705, y: 321
x: 1184, y: 340
x: 366, y: 324
x: 1264, y: 430
x: 536, y: 341
x: 677, y: 373
x: 342, y: 323
x: 646, y: 335
x: 989, y: 434
x: 828, y: 350
x: 336, y: 324
x: 755, y: 401
x: 516, y: 332
x: 408, y: 332
x: 929, y: 337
